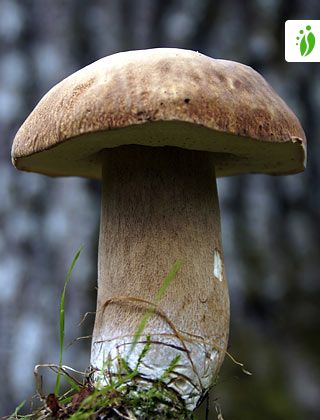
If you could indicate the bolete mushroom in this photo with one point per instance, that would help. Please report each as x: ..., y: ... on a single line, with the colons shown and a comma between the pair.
x: 157, y: 127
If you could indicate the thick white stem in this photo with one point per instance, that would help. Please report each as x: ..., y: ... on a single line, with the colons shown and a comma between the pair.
x: 160, y: 205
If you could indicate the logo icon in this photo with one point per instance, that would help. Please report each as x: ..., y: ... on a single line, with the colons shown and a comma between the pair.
x: 307, y: 41
x: 302, y: 41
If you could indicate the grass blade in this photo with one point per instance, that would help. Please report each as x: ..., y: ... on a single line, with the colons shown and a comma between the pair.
x: 16, y: 411
x: 170, y: 368
x: 62, y: 318
x: 162, y: 289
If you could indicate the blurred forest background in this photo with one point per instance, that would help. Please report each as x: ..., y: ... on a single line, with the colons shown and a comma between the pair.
x: 271, y: 225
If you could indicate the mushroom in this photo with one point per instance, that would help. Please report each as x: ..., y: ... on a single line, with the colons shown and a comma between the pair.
x: 157, y: 127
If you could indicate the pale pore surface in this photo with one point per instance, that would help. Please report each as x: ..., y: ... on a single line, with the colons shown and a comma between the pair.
x: 233, y: 154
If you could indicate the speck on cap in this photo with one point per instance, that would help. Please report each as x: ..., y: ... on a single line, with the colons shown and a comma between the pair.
x: 161, y: 97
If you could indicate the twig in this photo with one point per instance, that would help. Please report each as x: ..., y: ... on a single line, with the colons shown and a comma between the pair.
x: 78, y: 339
x: 120, y: 414
x: 85, y: 317
x: 159, y: 312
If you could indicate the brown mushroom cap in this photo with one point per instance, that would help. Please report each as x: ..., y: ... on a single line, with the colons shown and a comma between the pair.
x: 161, y: 97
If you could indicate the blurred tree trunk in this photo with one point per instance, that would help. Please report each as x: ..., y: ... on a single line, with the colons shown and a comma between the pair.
x: 271, y: 226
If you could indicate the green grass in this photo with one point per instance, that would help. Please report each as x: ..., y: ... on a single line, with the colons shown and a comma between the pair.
x: 62, y: 319
x: 162, y: 289
x: 123, y: 396
x: 14, y: 415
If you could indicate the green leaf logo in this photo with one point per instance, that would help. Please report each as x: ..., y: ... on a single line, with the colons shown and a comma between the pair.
x: 307, y: 41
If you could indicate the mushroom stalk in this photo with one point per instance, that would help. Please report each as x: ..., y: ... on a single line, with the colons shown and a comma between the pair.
x: 160, y: 205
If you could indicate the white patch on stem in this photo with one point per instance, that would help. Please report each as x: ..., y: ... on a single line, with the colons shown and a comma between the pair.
x: 217, y: 265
